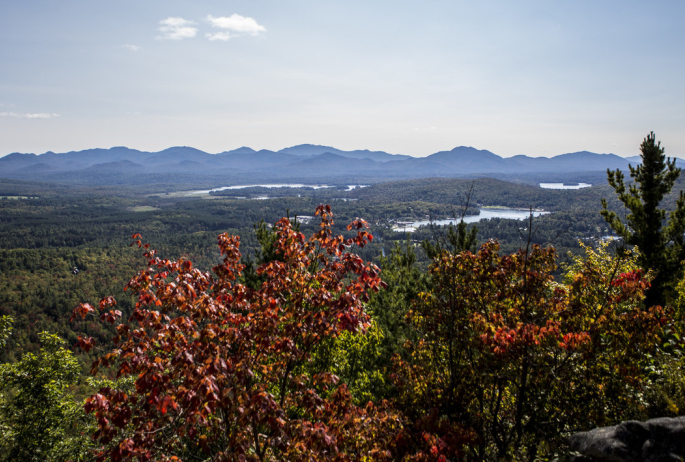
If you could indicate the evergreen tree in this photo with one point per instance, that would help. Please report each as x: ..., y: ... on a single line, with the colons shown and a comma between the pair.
x: 661, y: 247
x: 389, y: 307
x: 459, y: 238
x: 265, y: 253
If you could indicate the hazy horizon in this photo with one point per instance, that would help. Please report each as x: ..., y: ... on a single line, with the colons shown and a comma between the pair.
x: 407, y: 77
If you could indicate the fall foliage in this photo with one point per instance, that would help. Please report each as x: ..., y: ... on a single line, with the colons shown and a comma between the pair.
x: 220, y: 368
x: 508, y: 360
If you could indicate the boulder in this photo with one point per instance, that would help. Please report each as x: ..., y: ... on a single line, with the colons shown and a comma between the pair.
x: 657, y: 440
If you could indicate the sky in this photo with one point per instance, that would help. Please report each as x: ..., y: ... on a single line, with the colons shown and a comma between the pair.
x: 539, y: 78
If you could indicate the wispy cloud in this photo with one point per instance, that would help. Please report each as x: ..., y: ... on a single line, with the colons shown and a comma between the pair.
x: 176, y: 29
x: 132, y: 47
x: 233, y: 26
x: 223, y: 36
x: 17, y: 115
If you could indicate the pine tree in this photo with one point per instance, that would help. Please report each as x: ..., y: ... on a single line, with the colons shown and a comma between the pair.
x: 459, y: 238
x: 661, y: 247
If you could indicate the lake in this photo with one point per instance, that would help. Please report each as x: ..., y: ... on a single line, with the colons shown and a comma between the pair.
x: 485, y: 214
x: 564, y: 186
x: 350, y: 187
x: 297, y: 185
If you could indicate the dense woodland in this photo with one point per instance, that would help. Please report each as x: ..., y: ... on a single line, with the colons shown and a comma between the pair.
x: 287, y: 339
x: 55, y: 229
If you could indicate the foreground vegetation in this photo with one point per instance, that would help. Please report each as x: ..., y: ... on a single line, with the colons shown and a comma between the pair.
x: 483, y: 358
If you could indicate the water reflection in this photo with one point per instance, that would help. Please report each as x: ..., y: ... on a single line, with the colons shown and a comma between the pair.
x: 564, y: 186
x: 350, y: 187
x: 485, y: 214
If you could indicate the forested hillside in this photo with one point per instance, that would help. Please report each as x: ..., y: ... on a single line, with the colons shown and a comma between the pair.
x: 489, y: 191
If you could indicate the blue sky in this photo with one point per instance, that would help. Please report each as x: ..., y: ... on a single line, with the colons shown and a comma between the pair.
x: 412, y: 77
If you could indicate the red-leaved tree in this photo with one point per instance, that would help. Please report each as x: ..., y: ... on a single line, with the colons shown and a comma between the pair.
x: 219, y: 369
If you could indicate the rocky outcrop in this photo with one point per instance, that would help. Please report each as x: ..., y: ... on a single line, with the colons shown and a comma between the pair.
x: 657, y: 440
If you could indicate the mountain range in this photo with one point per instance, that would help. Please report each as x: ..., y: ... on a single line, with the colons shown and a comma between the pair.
x: 302, y: 162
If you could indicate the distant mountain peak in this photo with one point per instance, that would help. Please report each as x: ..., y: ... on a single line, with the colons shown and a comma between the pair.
x: 242, y: 150
x: 466, y: 152
x: 308, y: 150
x: 180, y: 148
x: 465, y: 147
x: 18, y: 154
x: 308, y: 145
x: 470, y: 149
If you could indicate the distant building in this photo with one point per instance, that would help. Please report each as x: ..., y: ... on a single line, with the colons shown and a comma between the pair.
x: 304, y: 219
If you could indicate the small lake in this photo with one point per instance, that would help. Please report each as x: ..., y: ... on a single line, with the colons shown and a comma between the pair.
x: 350, y: 187
x: 564, y: 186
x: 243, y: 186
x: 485, y: 214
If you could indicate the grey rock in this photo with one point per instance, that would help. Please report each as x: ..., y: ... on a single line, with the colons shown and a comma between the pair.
x: 657, y: 440
x: 667, y: 442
